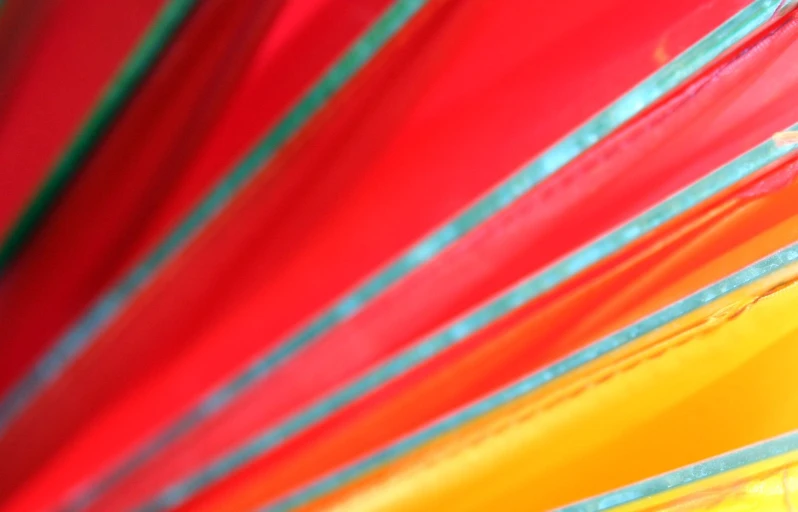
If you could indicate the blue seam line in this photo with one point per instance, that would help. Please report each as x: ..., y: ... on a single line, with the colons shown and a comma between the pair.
x: 759, y: 452
x: 672, y: 75
x: 79, y: 337
x: 755, y: 160
x: 538, y: 379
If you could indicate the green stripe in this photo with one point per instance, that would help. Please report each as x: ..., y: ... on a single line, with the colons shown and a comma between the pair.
x: 81, y: 334
x: 105, y: 112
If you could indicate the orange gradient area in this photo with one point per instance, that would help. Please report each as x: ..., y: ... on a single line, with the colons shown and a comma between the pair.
x: 706, y: 384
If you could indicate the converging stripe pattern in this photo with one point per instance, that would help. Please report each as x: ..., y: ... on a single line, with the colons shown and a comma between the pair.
x: 398, y: 255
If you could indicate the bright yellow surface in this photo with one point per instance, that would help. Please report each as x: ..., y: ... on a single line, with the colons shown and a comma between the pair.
x: 770, y: 485
x: 714, y: 381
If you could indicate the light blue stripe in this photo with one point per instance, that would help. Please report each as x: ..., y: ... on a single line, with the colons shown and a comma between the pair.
x: 535, y: 381
x: 755, y: 160
x: 691, y: 474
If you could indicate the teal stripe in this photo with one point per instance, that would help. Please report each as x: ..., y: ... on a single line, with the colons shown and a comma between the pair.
x: 735, y: 460
x: 539, y: 379
x: 102, y: 117
x: 746, y: 165
x: 79, y: 337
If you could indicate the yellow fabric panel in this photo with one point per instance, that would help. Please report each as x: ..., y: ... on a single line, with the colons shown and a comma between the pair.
x: 707, y: 384
x: 770, y: 485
